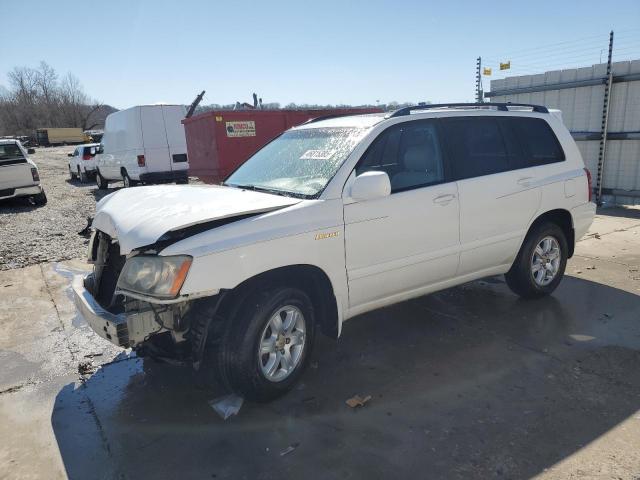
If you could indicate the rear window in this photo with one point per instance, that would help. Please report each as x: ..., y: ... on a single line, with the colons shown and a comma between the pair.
x: 477, y: 146
x: 537, y: 141
x: 9, y: 151
x: 91, y: 151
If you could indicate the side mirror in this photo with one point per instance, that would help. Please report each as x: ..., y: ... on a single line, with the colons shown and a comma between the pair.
x: 371, y: 185
x: 69, y: 154
x: 31, y: 151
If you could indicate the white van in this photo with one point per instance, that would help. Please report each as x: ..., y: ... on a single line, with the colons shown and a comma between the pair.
x: 143, y: 144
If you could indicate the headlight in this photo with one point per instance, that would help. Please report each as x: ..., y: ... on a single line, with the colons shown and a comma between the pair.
x: 154, y: 275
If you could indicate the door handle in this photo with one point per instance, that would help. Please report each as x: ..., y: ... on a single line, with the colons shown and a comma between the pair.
x: 444, y: 199
x: 525, y: 181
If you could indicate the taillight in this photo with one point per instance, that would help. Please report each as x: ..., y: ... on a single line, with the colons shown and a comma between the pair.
x: 34, y: 174
x: 589, y: 183
x: 86, y: 156
x: 141, y: 161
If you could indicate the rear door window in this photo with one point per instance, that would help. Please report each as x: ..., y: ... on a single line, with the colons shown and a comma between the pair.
x: 477, y: 146
x: 538, y: 143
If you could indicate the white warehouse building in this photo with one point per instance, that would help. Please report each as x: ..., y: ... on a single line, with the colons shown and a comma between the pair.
x: 580, y: 94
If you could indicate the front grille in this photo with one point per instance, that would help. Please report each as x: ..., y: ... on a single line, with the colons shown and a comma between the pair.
x: 106, y: 270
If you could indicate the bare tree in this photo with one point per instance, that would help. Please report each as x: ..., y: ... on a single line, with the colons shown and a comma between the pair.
x: 38, y: 98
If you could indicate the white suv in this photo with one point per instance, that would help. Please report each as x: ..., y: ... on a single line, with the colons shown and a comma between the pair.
x: 331, y: 219
x: 82, y: 162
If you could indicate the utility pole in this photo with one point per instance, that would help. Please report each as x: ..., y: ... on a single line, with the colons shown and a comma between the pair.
x: 479, y: 92
x: 608, y: 81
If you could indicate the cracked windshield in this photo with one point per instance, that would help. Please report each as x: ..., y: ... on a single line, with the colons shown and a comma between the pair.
x: 299, y: 162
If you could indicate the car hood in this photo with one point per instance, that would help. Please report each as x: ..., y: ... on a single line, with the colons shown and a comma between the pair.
x: 140, y: 216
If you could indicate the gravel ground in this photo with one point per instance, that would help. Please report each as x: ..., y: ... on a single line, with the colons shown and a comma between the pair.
x: 30, y: 234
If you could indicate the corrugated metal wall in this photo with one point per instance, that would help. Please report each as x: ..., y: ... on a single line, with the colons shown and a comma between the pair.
x: 582, y: 112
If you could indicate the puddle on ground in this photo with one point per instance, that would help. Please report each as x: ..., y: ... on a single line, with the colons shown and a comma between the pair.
x: 68, y: 273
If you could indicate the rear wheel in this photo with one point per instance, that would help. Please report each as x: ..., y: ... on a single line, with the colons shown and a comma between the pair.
x: 101, y: 181
x: 40, y: 199
x: 268, y: 343
x: 541, y: 262
x: 126, y: 180
x: 82, y: 175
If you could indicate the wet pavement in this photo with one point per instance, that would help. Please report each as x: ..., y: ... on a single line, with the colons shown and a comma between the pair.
x: 471, y: 382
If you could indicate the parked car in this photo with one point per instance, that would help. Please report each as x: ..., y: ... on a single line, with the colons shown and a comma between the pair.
x: 82, y: 162
x: 143, y: 144
x: 332, y: 219
x: 19, y: 176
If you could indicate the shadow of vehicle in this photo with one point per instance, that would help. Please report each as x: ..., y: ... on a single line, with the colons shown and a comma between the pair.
x: 18, y: 205
x: 471, y: 382
x: 619, y: 211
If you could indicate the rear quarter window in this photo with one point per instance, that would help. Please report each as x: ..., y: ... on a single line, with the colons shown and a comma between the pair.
x: 538, y: 144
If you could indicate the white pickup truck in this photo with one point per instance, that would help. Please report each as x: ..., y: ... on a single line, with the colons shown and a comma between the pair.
x: 332, y: 219
x: 18, y: 174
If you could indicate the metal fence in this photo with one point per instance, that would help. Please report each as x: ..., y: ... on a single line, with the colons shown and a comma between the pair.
x: 581, y: 94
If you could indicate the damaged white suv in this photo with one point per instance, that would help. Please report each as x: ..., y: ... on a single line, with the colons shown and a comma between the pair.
x: 331, y: 219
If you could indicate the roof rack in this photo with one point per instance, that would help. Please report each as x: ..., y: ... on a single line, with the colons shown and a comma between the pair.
x: 503, y: 107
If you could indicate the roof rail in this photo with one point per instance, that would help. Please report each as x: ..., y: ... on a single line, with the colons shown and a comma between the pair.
x: 503, y: 107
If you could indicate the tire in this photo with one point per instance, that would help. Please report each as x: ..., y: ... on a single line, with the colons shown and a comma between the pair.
x: 82, y: 175
x: 72, y: 175
x: 182, y: 182
x: 40, y: 199
x: 101, y: 181
x: 539, y: 267
x: 243, y: 368
x: 126, y: 180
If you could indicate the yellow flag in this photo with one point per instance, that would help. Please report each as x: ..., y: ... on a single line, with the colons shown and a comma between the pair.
x: 505, y: 65
x: 486, y: 71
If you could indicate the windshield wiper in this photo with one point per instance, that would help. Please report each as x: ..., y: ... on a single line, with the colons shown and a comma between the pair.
x: 273, y: 191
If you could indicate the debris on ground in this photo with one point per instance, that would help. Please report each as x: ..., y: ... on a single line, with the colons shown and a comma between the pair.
x: 578, y: 271
x: 91, y: 355
x: 227, y: 406
x: 86, y: 368
x: 289, y: 449
x: 591, y: 267
x: 358, y: 401
x: 596, y: 235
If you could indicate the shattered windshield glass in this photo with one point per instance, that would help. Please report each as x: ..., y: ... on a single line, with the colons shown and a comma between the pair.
x: 298, y: 163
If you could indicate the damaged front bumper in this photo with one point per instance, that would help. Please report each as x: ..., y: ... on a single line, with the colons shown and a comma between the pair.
x: 129, y: 329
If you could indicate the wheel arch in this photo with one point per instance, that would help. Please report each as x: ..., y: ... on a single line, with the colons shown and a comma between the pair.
x: 563, y: 219
x: 309, y: 278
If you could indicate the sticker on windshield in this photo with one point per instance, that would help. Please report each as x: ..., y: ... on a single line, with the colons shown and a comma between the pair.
x: 317, y: 155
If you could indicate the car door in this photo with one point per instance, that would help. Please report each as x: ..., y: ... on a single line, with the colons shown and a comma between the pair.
x: 497, y: 200
x: 397, y: 245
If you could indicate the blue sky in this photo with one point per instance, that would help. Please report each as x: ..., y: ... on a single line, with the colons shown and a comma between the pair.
x: 133, y: 52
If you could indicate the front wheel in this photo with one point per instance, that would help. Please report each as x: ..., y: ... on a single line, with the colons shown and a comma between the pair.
x: 540, y: 264
x: 268, y: 344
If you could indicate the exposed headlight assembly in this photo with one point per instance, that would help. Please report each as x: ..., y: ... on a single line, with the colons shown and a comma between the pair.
x: 154, y: 275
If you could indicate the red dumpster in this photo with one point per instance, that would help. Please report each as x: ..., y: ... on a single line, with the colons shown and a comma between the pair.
x: 220, y: 140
